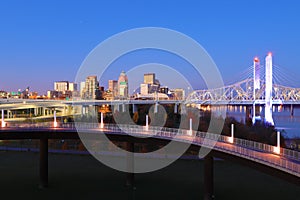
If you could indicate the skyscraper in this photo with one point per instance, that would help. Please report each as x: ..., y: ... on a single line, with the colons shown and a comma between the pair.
x: 123, y: 86
x: 113, y: 87
x: 91, y: 87
x: 149, y: 78
x: 82, y: 89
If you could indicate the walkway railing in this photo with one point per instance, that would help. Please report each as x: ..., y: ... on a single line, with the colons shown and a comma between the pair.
x: 287, y: 160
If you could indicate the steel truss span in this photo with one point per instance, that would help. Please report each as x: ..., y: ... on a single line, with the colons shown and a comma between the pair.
x: 243, y: 92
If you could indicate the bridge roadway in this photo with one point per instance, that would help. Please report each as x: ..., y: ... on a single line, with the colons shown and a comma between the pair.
x: 285, y: 165
x: 24, y: 103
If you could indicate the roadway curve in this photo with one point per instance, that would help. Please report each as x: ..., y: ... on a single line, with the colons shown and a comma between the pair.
x: 262, y: 160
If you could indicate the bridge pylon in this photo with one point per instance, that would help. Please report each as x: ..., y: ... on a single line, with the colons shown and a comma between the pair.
x: 256, y: 87
x: 268, y: 90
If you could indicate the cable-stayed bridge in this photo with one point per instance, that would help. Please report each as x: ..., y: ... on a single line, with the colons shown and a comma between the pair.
x: 242, y: 93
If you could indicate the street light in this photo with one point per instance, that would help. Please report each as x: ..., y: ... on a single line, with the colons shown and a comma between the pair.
x: 101, y: 121
x: 277, y: 148
x: 230, y: 139
x: 2, y: 121
x: 55, y: 122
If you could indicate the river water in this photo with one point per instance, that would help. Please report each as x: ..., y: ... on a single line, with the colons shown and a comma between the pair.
x: 281, y: 116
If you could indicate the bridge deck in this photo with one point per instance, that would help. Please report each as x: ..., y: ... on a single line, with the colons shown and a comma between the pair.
x: 253, y: 152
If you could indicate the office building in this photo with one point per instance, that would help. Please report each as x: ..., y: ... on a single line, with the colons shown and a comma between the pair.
x: 149, y: 78
x: 113, y: 88
x: 123, y: 86
x: 72, y: 87
x: 61, y: 86
x: 91, y: 88
x: 144, y: 88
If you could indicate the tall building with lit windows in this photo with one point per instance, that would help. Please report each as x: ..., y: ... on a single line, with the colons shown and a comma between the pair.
x: 113, y: 87
x: 61, y: 86
x: 123, y: 86
x: 150, y: 85
x: 91, y: 88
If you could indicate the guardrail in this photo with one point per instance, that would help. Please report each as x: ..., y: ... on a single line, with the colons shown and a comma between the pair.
x: 287, y: 160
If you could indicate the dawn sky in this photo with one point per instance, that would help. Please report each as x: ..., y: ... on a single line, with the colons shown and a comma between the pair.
x: 46, y: 41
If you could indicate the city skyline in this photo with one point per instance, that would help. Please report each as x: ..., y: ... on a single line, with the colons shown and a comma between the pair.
x: 91, y: 88
x: 130, y: 99
x: 39, y: 47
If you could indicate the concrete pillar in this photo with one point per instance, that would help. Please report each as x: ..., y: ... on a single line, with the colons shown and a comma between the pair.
x: 8, y: 114
x: 123, y: 107
x: 248, y: 112
x: 82, y: 110
x: 134, y: 108
x: 43, y: 163
x: 95, y: 110
x: 44, y: 111
x: 183, y: 109
x: 175, y: 108
x: 2, y: 119
x: 54, y: 119
x: 116, y: 107
x: 130, y: 164
x: 156, y: 108
x: 101, y: 121
x: 208, y: 178
x: 190, y: 132
x: 147, y: 122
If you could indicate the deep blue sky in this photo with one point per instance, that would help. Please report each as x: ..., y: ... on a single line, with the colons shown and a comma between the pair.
x: 44, y: 41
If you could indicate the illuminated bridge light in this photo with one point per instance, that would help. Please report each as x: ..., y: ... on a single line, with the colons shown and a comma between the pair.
x: 55, y: 125
x: 2, y: 119
x: 101, y: 121
x: 231, y: 138
x: 277, y: 148
x: 55, y: 122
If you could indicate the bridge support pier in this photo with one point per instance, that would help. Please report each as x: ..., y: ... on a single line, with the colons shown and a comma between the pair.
x: 8, y: 114
x: 183, y: 109
x: 43, y: 163
x: 208, y: 178
x: 292, y: 110
x: 116, y: 108
x: 134, y: 108
x: 36, y: 111
x: 249, y: 110
x: 175, y: 108
x: 130, y: 164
